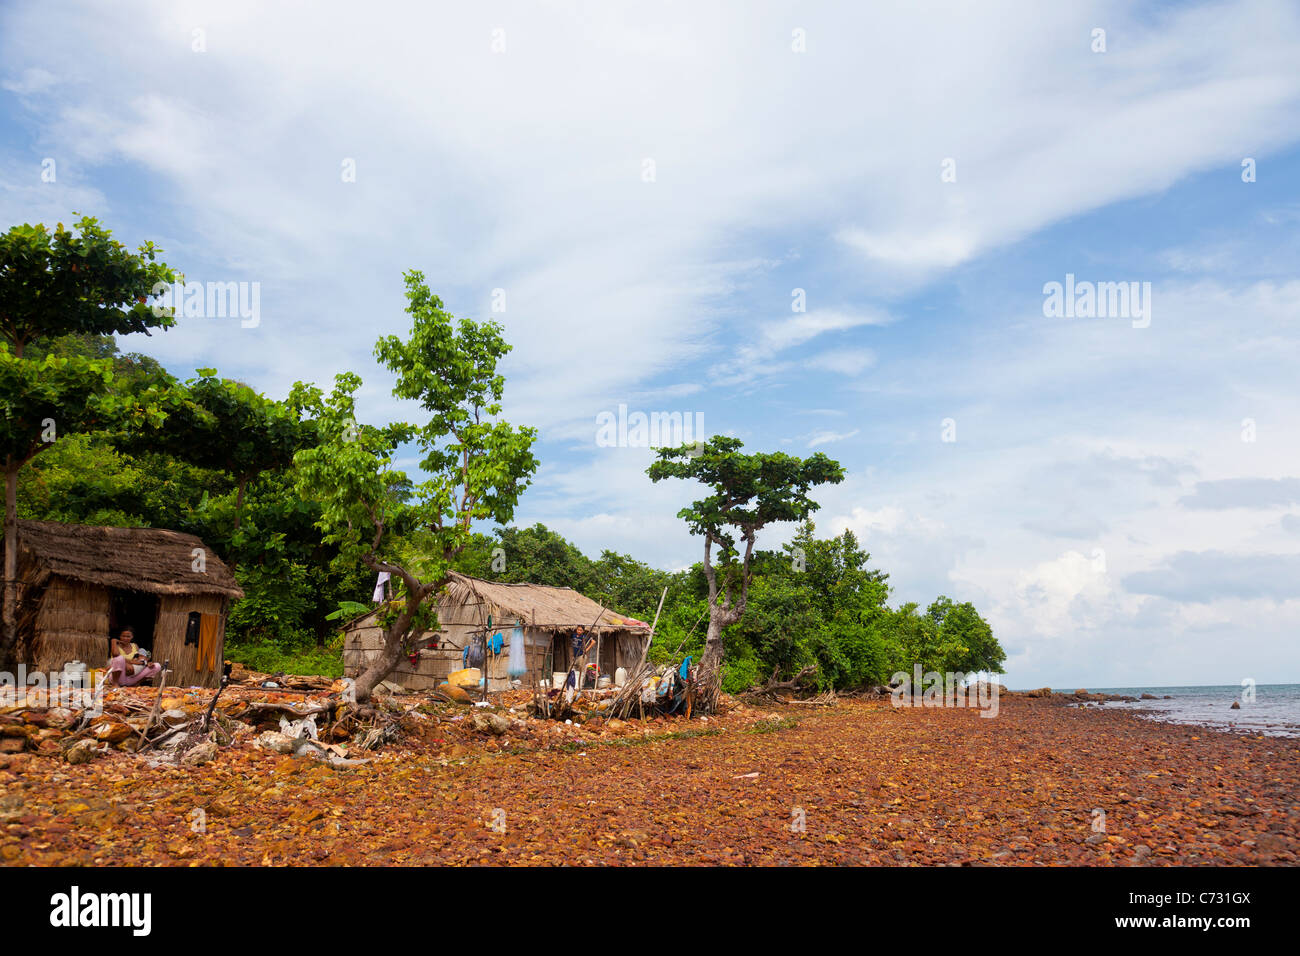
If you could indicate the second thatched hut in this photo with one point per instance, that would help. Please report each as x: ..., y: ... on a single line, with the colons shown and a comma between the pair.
x: 542, y: 616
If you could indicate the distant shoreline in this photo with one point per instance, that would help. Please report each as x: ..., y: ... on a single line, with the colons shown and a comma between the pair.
x: 1272, y: 710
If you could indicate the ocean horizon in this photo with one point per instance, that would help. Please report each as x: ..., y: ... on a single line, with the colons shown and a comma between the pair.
x: 1274, y: 711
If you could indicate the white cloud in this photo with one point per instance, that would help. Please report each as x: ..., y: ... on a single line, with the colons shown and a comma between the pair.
x: 523, y: 171
x: 826, y: 437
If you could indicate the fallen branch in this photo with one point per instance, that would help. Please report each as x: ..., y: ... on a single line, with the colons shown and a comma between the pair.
x: 773, y: 685
x: 264, y: 707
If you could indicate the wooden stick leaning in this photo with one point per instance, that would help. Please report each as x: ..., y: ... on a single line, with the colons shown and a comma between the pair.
x: 622, y: 704
x: 157, y: 704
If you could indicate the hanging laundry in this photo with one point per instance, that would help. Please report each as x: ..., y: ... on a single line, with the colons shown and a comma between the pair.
x: 209, y: 641
x: 380, y: 590
x: 518, y: 665
x: 496, y: 643
x: 472, y: 655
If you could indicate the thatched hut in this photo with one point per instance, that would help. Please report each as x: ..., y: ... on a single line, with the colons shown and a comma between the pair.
x: 80, y: 585
x: 542, y: 616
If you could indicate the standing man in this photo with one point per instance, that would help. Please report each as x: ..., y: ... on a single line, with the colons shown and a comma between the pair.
x: 582, y: 643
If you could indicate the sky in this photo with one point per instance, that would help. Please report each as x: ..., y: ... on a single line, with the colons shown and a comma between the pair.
x: 819, y: 227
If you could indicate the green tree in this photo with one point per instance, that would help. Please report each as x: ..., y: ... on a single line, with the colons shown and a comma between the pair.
x: 226, y: 426
x: 960, y: 627
x: 539, y: 555
x: 749, y: 492
x: 476, y: 465
x: 54, y: 283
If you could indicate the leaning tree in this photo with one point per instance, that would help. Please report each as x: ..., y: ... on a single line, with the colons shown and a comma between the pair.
x: 748, y: 493
x: 476, y: 465
x: 54, y: 283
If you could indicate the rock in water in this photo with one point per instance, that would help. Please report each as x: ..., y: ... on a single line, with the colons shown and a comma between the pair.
x: 1235, y: 706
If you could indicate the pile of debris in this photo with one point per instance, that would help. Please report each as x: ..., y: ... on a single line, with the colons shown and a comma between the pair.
x: 189, y: 725
x: 172, y: 726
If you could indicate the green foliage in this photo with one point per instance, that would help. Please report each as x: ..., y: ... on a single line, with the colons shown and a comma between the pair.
x: 274, y: 657
x: 749, y: 492
x: 476, y: 465
x: 77, y: 281
x: 226, y: 426
x: 347, y: 610
x: 54, y: 283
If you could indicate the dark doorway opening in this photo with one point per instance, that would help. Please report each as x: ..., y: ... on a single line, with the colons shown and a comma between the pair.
x: 135, y: 610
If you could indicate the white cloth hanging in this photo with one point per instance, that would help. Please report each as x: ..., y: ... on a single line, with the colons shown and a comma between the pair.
x: 518, y: 665
x: 379, y: 594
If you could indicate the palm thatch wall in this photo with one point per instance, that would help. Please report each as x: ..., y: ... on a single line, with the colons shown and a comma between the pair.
x: 169, y: 638
x: 71, y: 624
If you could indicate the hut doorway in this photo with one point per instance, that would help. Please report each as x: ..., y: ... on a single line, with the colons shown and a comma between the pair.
x: 136, y: 610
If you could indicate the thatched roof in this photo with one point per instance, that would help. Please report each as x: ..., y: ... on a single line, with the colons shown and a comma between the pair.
x: 537, y: 605
x: 152, y: 560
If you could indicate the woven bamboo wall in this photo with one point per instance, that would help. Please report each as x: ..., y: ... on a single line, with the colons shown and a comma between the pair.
x: 169, y: 638
x: 71, y: 624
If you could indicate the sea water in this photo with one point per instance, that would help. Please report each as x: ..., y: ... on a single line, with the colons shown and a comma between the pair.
x: 1275, y: 710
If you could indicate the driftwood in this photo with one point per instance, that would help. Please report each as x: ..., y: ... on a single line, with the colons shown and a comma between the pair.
x: 256, y: 708
x: 157, y: 702
x: 773, y: 686
x: 825, y: 699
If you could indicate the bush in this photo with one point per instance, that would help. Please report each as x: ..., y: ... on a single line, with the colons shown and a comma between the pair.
x: 741, y: 670
x: 270, y: 658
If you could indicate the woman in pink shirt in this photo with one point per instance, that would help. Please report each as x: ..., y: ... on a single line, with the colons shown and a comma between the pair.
x: 126, y: 667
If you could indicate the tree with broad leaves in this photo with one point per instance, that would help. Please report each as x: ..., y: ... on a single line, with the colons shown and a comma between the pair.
x: 226, y: 426
x: 749, y: 492
x: 55, y: 283
x: 476, y: 465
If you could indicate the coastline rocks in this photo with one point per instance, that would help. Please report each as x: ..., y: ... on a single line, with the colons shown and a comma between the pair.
x: 1236, y: 705
x: 494, y: 724
x: 1041, y: 692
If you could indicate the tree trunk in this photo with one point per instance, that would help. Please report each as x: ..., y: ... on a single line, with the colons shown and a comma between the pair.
x: 372, y: 676
x: 709, y: 675
x: 9, y: 617
x: 395, y: 640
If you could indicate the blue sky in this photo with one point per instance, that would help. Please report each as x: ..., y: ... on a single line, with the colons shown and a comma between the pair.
x: 1100, y: 503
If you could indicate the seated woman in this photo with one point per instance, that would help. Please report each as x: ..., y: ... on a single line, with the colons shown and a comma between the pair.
x: 128, y: 665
